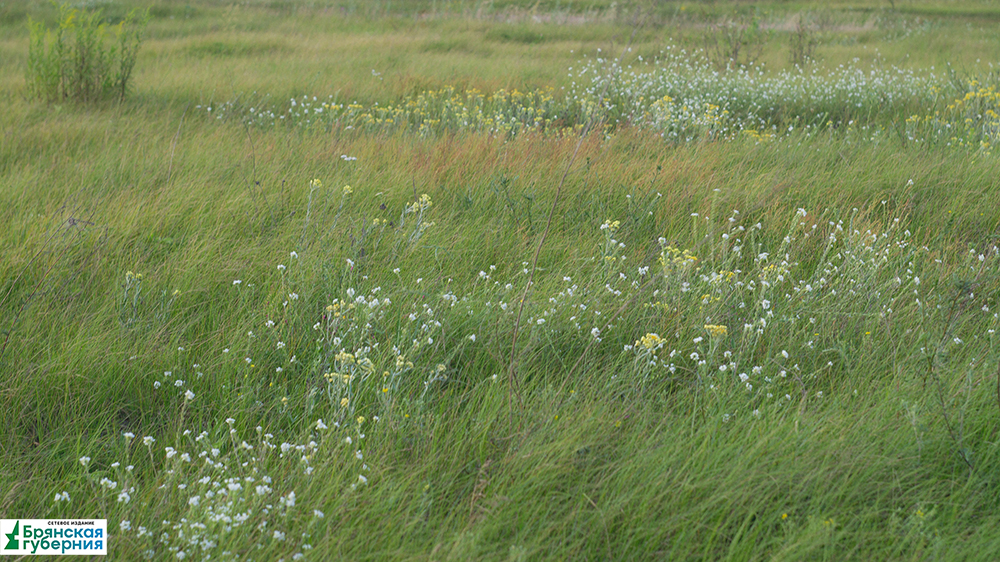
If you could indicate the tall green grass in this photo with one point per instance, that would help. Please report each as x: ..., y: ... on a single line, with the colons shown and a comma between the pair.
x: 162, y: 269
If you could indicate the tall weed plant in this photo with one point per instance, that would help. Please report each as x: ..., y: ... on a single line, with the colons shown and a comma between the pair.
x: 82, y: 60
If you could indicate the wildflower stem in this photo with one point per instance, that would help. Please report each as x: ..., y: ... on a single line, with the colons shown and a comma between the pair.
x: 511, y: 367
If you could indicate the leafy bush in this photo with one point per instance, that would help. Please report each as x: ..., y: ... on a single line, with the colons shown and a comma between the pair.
x: 77, y: 62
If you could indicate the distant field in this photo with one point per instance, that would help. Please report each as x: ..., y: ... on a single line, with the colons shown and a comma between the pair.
x: 511, y: 281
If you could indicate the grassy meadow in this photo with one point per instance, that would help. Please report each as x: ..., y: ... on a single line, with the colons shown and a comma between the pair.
x: 510, y: 280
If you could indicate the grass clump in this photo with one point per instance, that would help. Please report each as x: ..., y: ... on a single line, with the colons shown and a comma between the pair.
x: 82, y: 60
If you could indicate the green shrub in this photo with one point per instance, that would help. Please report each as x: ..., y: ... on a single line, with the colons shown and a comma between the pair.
x: 77, y: 62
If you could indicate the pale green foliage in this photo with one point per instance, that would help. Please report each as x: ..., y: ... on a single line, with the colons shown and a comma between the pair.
x: 82, y: 60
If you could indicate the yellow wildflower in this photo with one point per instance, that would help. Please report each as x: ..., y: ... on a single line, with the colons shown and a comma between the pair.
x: 716, y: 331
x: 650, y: 341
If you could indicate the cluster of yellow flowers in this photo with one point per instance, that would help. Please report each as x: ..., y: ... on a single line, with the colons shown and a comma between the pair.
x: 723, y: 276
x: 672, y: 255
x: 331, y: 377
x: 444, y: 109
x: 339, y: 310
x: 689, y: 122
x: 421, y: 204
x: 759, y: 136
x: 708, y: 298
x: 650, y: 341
x: 716, y: 330
x: 773, y: 272
x: 401, y: 362
x: 430, y: 112
x: 972, y: 121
